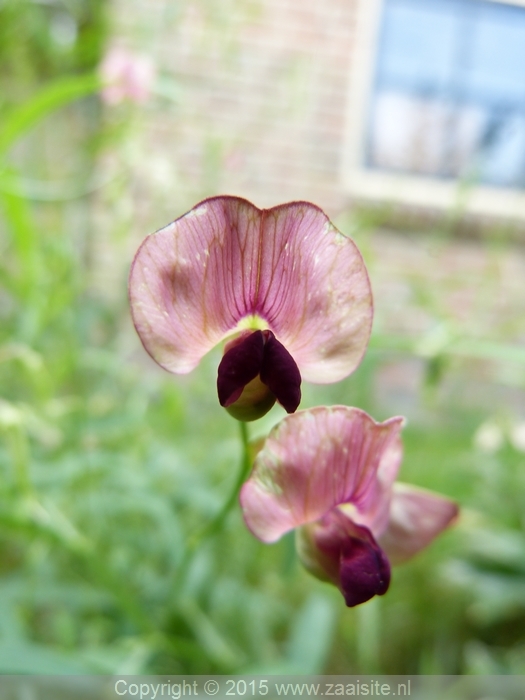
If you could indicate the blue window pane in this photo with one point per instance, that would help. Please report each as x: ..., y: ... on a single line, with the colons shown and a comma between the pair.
x: 417, y: 45
x: 497, y: 64
x: 449, y: 93
x: 502, y: 162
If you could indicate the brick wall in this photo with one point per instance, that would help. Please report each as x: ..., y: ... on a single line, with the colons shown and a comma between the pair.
x: 259, y: 91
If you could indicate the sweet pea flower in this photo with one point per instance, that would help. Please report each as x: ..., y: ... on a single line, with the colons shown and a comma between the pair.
x: 329, y: 472
x: 283, y: 287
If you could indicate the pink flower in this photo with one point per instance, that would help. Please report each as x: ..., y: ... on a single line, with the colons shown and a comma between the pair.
x: 288, y: 292
x: 126, y: 76
x: 329, y: 472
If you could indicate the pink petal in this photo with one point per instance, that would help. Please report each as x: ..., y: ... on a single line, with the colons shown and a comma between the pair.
x: 126, y: 75
x: 313, y: 461
x: 192, y: 282
x: 374, y: 508
x: 187, y: 283
x: 417, y: 516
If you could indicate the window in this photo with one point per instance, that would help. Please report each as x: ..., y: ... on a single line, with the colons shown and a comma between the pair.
x: 444, y: 100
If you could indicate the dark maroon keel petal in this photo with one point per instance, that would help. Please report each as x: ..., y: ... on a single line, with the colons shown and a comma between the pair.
x: 364, y: 568
x: 280, y: 373
x: 336, y: 549
x: 239, y: 365
x: 258, y: 354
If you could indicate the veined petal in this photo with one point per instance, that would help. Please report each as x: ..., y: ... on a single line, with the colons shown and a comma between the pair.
x: 338, y: 550
x: 314, y: 291
x: 194, y: 281
x: 417, y: 516
x: 374, y: 507
x: 313, y: 461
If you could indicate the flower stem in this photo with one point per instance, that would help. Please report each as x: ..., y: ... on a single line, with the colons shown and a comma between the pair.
x: 218, y: 521
x: 216, y: 524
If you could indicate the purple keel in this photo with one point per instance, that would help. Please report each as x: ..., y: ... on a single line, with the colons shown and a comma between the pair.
x: 259, y: 354
x: 362, y: 567
x: 280, y: 374
x: 240, y: 364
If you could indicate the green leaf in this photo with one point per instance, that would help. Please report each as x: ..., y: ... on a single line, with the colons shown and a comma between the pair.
x: 52, y: 97
x: 18, y: 657
x: 312, y: 634
x: 18, y: 215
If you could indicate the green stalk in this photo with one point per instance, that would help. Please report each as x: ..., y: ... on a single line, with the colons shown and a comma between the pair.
x: 216, y: 524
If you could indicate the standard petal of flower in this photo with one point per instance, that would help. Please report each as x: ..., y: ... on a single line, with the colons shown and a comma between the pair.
x: 313, y: 461
x: 314, y: 291
x: 417, y: 516
x: 192, y: 283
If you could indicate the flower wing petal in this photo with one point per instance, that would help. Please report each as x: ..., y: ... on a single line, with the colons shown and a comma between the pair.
x: 313, y: 461
x: 417, y: 516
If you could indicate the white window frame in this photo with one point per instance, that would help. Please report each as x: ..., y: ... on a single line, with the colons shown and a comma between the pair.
x: 374, y: 185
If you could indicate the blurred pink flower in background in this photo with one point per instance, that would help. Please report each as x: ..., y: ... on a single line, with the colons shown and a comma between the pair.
x: 126, y: 75
x: 329, y: 472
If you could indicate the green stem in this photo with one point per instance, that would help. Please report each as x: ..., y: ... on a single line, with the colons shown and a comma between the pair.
x: 216, y: 524
x: 17, y: 439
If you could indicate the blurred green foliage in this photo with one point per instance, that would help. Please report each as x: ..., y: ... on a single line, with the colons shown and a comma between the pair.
x: 42, y: 40
x: 108, y: 465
